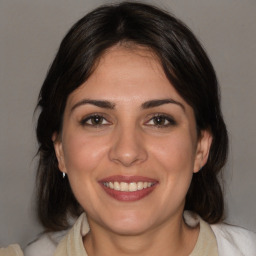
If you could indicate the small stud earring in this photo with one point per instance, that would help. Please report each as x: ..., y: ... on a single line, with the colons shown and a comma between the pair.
x: 63, y: 175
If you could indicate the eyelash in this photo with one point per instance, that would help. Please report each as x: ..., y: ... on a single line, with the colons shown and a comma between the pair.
x: 84, y: 121
x: 103, y: 121
x: 165, y: 118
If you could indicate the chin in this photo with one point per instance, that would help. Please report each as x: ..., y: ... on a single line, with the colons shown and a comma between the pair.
x: 129, y: 229
x: 129, y: 224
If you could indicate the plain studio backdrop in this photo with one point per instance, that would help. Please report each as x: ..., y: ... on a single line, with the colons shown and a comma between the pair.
x: 30, y: 33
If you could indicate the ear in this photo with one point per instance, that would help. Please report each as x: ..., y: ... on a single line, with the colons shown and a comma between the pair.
x: 57, y: 143
x: 203, y: 148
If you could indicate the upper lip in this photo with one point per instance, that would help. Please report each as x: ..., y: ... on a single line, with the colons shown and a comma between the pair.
x: 128, y: 179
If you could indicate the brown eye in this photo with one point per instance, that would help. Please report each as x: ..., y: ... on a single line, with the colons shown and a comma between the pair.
x: 160, y: 120
x: 94, y: 120
x: 97, y: 120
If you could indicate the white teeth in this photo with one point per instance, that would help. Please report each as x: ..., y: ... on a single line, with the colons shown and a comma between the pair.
x: 140, y: 185
x: 128, y: 187
x: 133, y: 187
x: 116, y: 185
x: 111, y: 185
x: 124, y: 186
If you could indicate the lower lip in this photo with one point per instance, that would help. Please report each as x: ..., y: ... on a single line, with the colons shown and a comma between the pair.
x: 128, y: 196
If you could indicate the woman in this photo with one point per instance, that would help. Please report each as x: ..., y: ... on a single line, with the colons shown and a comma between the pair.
x: 131, y: 134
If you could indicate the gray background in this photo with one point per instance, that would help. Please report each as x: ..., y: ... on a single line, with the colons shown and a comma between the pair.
x: 30, y: 32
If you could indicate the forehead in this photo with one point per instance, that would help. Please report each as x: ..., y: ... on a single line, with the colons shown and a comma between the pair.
x: 126, y: 73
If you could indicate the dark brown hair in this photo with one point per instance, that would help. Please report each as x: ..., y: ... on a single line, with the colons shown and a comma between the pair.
x: 188, y: 69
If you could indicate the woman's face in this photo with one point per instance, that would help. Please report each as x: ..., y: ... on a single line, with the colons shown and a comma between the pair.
x: 129, y: 144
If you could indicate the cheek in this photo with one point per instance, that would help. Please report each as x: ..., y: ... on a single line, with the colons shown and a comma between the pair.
x: 176, y: 153
x: 84, y: 158
x: 174, y: 158
x: 171, y: 161
x: 83, y: 153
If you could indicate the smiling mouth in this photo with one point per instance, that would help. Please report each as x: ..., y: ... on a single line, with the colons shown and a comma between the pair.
x: 128, y: 187
x: 125, y: 188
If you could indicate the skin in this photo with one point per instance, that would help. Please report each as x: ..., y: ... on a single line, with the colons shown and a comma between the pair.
x: 129, y: 141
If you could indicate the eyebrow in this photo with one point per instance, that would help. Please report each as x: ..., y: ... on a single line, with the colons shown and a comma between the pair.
x: 98, y: 103
x: 109, y: 105
x: 156, y: 103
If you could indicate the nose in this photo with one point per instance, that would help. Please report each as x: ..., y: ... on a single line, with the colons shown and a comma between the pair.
x: 128, y: 147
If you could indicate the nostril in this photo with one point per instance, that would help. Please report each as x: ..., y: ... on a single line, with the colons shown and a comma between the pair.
x: 128, y: 151
x: 126, y: 159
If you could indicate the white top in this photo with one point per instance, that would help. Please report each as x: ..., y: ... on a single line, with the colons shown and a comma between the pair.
x: 227, y: 239
x: 11, y: 250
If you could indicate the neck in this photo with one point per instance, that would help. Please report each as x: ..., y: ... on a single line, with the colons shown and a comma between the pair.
x: 170, y: 238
